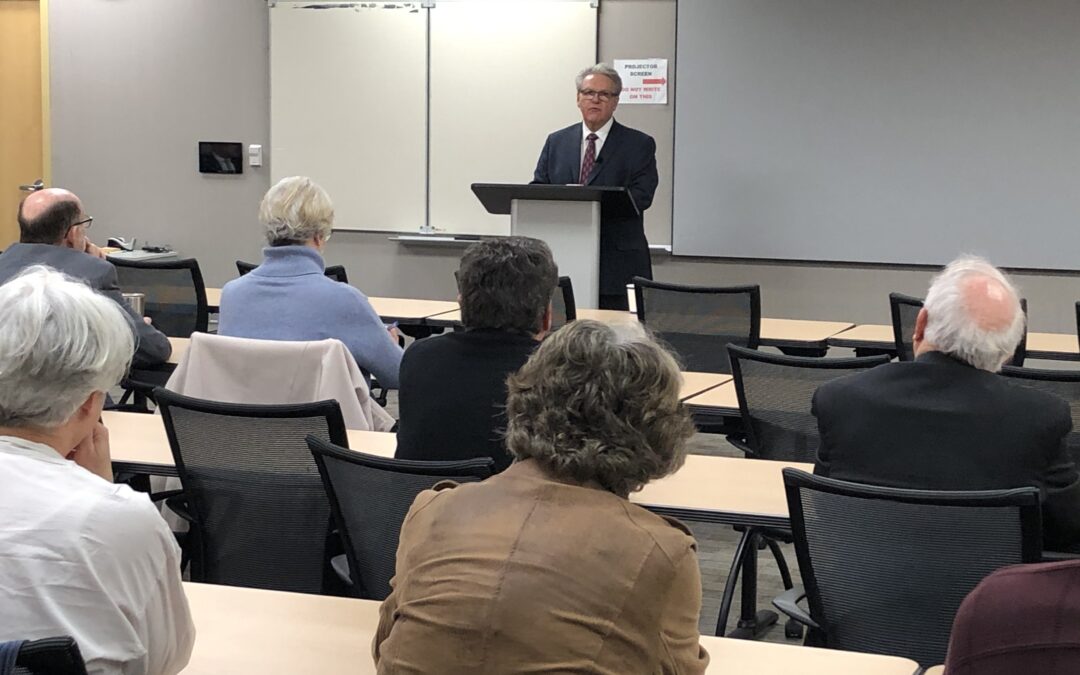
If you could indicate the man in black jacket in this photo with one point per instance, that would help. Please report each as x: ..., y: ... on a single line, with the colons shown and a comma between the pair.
x: 947, y: 421
x: 453, y: 387
x: 52, y: 232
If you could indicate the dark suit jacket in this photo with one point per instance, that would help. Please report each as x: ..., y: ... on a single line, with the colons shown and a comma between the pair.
x: 939, y: 424
x: 152, y: 347
x: 452, y: 401
x: 1020, y: 619
x: 627, y: 159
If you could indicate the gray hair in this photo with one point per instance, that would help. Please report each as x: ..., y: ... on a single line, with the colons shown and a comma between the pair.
x: 600, y: 69
x: 598, y: 402
x: 950, y: 326
x: 295, y: 210
x: 61, y: 342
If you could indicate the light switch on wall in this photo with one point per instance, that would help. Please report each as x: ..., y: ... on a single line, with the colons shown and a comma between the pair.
x: 254, y: 155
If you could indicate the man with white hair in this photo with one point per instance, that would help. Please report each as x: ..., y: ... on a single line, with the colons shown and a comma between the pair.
x: 79, y: 555
x: 52, y: 232
x: 947, y: 421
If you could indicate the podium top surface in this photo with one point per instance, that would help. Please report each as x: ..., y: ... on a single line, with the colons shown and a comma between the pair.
x: 498, y: 197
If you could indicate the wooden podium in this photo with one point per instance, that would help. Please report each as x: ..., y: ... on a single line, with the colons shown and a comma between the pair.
x: 567, y: 217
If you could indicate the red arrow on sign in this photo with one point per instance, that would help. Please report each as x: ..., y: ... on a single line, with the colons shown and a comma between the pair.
x: 658, y: 80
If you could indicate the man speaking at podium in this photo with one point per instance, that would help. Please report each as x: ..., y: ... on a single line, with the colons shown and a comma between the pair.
x: 600, y: 151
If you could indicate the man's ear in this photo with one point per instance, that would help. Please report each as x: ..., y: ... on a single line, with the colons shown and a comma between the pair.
x: 71, y: 237
x: 89, y: 407
x: 545, y: 323
x: 920, y: 326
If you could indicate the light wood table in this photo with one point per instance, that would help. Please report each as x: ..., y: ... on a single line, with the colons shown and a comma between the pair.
x: 728, y: 490
x: 800, y: 334
x: 213, y: 299
x: 139, y: 444
x: 696, y: 383
x: 936, y: 670
x: 866, y: 336
x: 245, y: 631
x: 179, y: 348
x: 1060, y: 346
x: 720, y: 400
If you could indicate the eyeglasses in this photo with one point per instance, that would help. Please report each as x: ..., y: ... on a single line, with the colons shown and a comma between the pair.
x: 87, y: 223
x: 604, y: 96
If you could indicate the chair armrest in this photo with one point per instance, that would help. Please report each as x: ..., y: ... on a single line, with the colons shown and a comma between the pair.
x: 787, y: 602
x: 739, y: 441
x: 164, y: 494
x: 1059, y: 556
x: 178, y: 504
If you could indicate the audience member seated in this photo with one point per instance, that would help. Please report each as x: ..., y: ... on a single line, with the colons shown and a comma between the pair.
x: 946, y: 421
x: 79, y: 555
x: 288, y: 297
x: 547, y: 566
x: 453, y: 387
x: 1020, y: 619
x: 52, y: 232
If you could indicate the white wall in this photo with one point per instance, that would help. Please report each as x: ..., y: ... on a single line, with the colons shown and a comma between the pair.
x: 136, y: 83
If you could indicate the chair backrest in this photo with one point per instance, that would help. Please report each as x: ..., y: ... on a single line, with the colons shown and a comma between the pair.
x: 563, y: 307
x: 50, y: 656
x: 905, y: 310
x: 1063, y: 383
x: 698, y: 322
x: 261, y: 516
x: 174, y: 290
x: 370, y: 497
x: 335, y: 272
x: 775, y: 393
x: 885, y: 569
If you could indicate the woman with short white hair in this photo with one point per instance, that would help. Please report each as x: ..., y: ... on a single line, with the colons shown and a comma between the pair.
x: 79, y: 555
x: 288, y: 297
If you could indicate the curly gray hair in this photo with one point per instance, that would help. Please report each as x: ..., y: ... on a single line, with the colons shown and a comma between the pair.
x: 295, y: 210
x: 598, y: 402
x: 600, y: 69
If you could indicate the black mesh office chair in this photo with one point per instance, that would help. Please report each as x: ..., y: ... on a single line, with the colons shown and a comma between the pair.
x: 1063, y: 383
x: 50, y: 656
x: 174, y: 290
x: 259, y: 515
x: 775, y: 394
x: 563, y: 307
x: 885, y: 569
x: 699, y: 321
x: 905, y: 309
x: 370, y: 496
x: 335, y: 272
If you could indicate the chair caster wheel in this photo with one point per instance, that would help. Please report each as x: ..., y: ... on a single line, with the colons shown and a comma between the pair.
x: 793, y: 630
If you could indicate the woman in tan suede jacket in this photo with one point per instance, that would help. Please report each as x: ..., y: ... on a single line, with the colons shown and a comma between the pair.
x: 548, y: 567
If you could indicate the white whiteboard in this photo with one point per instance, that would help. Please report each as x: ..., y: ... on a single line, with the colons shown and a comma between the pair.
x: 898, y: 131
x: 348, y: 90
x: 502, y: 79
x: 349, y: 102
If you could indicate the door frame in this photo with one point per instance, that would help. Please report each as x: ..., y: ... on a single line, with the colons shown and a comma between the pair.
x: 46, y: 113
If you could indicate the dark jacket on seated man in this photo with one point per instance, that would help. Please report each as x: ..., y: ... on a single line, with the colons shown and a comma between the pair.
x: 940, y: 424
x: 152, y: 347
x: 453, y: 394
x: 1020, y: 619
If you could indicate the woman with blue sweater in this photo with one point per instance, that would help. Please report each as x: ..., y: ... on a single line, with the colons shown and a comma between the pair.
x: 288, y: 297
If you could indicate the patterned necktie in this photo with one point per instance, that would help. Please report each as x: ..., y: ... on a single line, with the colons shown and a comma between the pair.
x: 589, y: 159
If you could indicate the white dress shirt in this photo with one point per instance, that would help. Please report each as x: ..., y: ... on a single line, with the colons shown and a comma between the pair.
x: 601, y: 136
x: 83, y: 557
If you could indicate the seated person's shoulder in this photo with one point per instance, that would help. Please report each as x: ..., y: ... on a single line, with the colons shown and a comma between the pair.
x: 124, y: 524
x: 670, y: 534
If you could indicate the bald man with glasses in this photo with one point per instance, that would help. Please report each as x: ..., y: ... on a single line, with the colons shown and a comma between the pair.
x: 52, y: 232
x: 600, y: 151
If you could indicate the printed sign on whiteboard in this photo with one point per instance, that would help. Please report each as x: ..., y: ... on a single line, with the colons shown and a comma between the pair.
x: 643, y: 80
